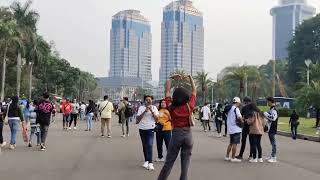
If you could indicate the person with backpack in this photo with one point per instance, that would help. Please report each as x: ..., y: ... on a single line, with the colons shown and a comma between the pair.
x: 181, y: 106
x: 66, y: 109
x: 234, y: 123
x: 256, y: 125
x: 89, y: 112
x: 44, y: 111
x: 272, y: 117
x: 105, y: 110
x: 294, y: 123
x: 126, y: 111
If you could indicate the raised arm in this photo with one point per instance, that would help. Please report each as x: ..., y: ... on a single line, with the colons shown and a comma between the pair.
x: 167, y: 89
x: 193, y: 86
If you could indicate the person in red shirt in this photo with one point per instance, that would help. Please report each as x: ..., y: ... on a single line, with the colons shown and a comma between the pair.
x: 66, y: 109
x: 180, y: 105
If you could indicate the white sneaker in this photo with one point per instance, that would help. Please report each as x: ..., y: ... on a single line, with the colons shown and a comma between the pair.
x: 151, y: 167
x: 128, y: 135
x: 146, y: 164
x: 3, y: 144
x: 69, y: 128
x: 160, y: 160
x: 235, y: 160
x: 227, y: 159
x: 260, y: 160
x: 11, y: 147
x: 75, y: 128
x: 272, y: 160
x: 109, y: 136
x: 123, y: 136
x: 253, y: 160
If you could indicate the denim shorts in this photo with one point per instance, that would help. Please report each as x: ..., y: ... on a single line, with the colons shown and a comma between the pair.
x: 235, y: 138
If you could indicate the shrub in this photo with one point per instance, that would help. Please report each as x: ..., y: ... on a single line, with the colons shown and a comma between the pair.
x: 284, y: 112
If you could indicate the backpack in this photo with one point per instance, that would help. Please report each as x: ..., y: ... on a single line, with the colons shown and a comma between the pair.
x: 128, y: 112
x: 226, y: 110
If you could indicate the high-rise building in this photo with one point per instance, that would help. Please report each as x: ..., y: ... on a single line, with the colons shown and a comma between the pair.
x: 130, y: 46
x: 182, y: 39
x: 286, y: 17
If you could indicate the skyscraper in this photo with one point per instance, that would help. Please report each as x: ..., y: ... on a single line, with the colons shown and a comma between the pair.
x: 182, y: 39
x: 130, y: 46
x: 286, y: 17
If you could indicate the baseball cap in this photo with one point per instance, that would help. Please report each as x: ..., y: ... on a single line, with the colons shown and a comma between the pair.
x: 236, y: 100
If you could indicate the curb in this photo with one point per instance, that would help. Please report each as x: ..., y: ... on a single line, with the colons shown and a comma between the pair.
x: 300, y: 136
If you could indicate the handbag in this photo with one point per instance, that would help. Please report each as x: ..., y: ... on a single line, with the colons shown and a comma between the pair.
x: 6, y: 120
x: 158, y: 127
x: 191, y: 117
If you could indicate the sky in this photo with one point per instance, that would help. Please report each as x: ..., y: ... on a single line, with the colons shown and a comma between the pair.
x: 236, y: 31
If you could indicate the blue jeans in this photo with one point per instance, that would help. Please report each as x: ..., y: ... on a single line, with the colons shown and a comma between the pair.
x: 273, y: 142
x: 147, y: 137
x: 89, y: 120
x: 35, y: 131
x: 14, y: 127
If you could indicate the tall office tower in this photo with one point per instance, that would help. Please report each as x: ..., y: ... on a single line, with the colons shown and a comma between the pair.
x: 286, y: 17
x: 182, y: 39
x: 130, y: 46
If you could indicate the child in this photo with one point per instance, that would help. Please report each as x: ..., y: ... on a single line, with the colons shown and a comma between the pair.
x: 33, y: 125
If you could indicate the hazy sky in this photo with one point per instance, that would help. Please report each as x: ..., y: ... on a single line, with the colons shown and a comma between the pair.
x: 236, y: 31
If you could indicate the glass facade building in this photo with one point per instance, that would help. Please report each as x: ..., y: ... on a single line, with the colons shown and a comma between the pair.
x: 130, y: 46
x: 182, y: 39
x: 286, y: 17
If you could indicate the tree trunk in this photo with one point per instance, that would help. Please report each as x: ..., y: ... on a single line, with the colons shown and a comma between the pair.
x: 241, y: 89
x: 4, y: 68
x: 18, y: 73
x: 30, y: 81
x: 245, y: 86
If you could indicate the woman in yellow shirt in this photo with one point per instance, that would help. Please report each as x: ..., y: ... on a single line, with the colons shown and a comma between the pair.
x: 163, y: 130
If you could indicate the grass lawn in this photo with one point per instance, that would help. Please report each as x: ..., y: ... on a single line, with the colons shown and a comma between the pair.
x: 305, y: 127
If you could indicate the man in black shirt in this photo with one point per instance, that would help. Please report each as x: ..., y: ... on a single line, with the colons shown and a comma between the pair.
x: 44, y: 110
x: 246, y: 113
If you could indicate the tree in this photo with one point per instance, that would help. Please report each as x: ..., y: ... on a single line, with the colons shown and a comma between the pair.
x: 309, y: 96
x: 176, y: 84
x: 202, y: 82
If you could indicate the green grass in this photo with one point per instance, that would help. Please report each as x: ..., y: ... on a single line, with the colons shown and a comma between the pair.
x: 306, y: 126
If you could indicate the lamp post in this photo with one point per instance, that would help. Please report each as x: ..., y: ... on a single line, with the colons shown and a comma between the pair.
x: 308, y: 62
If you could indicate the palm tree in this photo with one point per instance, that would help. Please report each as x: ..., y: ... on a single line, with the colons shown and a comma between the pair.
x: 183, y: 83
x: 9, y: 37
x: 202, y: 82
x: 26, y: 19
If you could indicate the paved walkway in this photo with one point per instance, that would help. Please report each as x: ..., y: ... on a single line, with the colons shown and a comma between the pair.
x: 80, y: 155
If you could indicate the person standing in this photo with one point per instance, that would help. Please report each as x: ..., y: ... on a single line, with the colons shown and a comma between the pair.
x: 124, y: 116
x: 272, y: 117
x: 105, y: 110
x: 66, y: 109
x: 15, y: 117
x: 146, y: 118
x: 206, y: 117
x: 234, y: 116
x: 89, y: 112
x: 246, y: 113
x: 256, y: 129
x: 44, y: 111
x: 164, y: 129
x: 3, y: 112
x: 74, y: 114
x: 218, y: 119
x: 181, y: 106
x: 34, y: 127
x: 83, y: 107
x: 294, y: 123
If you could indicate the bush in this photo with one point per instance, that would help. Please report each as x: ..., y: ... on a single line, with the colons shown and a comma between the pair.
x: 284, y: 112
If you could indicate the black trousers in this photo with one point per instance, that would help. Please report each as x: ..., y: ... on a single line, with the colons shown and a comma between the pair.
x: 255, y: 144
x: 219, y: 125
x: 225, y: 127
x: 1, y: 128
x: 162, y: 136
x: 245, y: 133
x: 294, y: 131
x: 74, y: 118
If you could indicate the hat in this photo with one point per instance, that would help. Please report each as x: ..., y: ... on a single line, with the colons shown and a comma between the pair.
x: 236, y: 100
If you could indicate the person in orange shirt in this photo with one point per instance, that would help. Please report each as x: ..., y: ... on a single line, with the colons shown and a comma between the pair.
x: 66, y: 109
x: 163, y: 129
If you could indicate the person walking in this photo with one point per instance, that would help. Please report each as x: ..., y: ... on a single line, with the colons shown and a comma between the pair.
x: 3, y: 112
x: 163, y: 129
x: 294, y: 123
x: 147, y: 116
x: 74, y: 114
x: 206, y: 117
x: 256, y: 129
x: 66, y: 109
x: 89, y: 112
x: 105, y: 110
x: 181, y: 106
x: 272, y: 117
x: 123, y: 109
x: 246, y: 113
x: 83, y: 108
x: 44, y: 111
x: 218, y: 120
x: 234, y: 130
x: 34, y: 127
x: 15, y: 117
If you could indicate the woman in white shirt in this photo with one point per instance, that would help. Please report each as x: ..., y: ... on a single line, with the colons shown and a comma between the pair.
x: 146, y: 118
